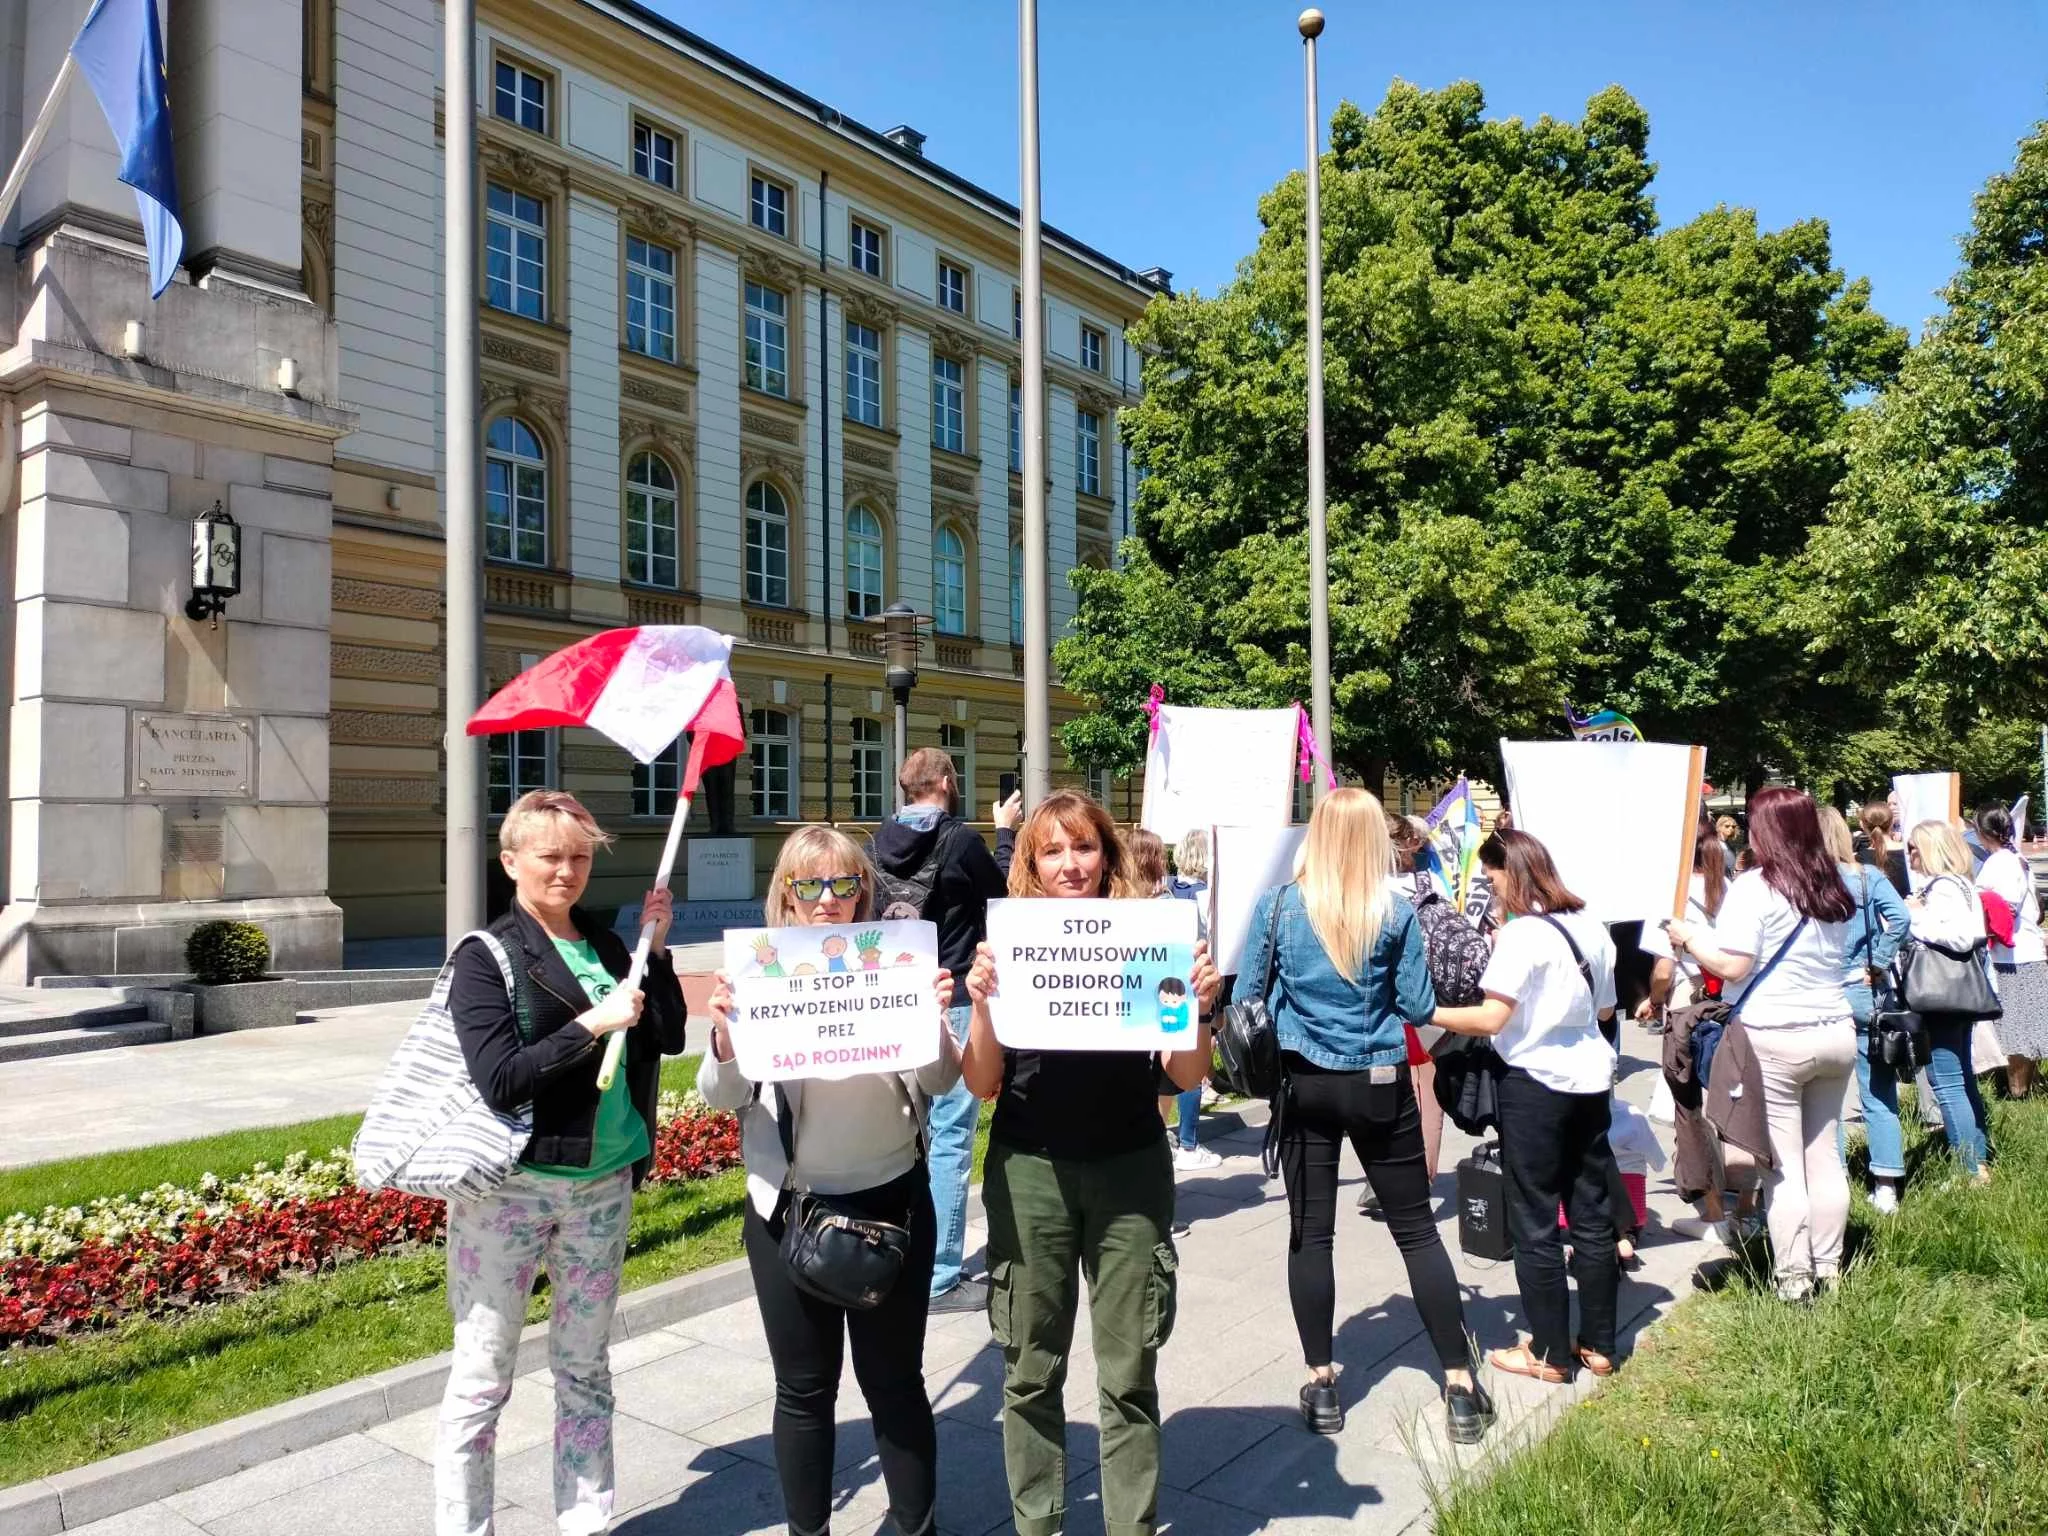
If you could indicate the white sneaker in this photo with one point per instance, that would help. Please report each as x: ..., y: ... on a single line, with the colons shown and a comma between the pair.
x: 1885, y: 1200
x: 1186, y: 1159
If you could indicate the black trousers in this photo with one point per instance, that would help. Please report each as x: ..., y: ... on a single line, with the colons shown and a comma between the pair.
x: 1325, y: 1109
x: 1554, y: 1152
x: 806, y: 1342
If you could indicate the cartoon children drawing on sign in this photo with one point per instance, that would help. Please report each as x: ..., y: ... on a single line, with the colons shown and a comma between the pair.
x: 766, y: 957
x: 834, y: 951
x: 1173, y: 1004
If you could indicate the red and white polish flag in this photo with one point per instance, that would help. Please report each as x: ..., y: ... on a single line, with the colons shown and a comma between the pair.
x: 641, y: 687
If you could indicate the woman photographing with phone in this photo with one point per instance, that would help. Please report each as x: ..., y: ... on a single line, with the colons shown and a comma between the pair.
x: 1079, y: 1179
x: 858, y: 1144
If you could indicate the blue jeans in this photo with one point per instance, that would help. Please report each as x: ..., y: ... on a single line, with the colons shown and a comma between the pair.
x: 1955, y: 1090
x: 950, y: 1157
x: 1878, y: 1086
x: 1189, y: 1110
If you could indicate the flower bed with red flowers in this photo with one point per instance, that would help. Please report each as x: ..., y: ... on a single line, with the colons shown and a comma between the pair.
x: 213, y: 1255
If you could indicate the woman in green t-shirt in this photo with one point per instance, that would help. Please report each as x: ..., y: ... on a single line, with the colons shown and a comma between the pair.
x: 533, y: 1035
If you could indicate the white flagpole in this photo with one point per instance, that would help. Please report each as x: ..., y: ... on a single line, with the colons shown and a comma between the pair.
x: 615, y: 1047
x: 33, y: 144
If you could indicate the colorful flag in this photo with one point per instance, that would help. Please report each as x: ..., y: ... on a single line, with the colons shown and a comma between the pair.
x: 120, y: 51
x: 1600, y: 725
x: 1457, y: 815
x: 642, y: 687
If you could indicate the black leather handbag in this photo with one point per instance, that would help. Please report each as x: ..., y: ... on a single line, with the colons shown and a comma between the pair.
x: 1898, y: 1040
x: 834, y: 1253
x: 1247, y: 1043
x: 1934, y: 978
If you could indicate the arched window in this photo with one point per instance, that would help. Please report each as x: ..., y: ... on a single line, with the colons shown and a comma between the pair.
x: 653, y: 529
x: 767, y: 546
x: 863, y: 563
x: 1016, y: 593
x: 515, y: 493
x: 949, y: 580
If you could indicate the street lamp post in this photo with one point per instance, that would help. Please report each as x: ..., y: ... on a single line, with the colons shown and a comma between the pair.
x: 902, y: 641
x: 1310, y: 24
x: 464, y: 786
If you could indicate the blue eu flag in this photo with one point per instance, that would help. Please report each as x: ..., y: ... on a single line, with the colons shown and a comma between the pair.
x: 120, y: 52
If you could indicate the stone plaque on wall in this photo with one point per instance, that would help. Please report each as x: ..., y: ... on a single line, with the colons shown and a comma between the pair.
x: 184, y: 757
x: 720, y: 869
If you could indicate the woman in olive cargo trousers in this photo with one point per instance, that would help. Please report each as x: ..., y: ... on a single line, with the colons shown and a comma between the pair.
x: 1079, y: 1182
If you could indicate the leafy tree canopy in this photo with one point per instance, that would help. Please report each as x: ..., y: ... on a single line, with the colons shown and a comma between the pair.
x: 1568, y: 455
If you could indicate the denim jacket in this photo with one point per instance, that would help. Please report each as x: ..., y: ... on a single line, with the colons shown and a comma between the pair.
x: 1339, y: 1025
x: 1879, y: 927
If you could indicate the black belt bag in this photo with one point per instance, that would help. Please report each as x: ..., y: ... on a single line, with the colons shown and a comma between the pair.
x: 835, y: 1253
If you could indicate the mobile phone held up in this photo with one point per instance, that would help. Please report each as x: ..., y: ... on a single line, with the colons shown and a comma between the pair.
x: 1006, y: 786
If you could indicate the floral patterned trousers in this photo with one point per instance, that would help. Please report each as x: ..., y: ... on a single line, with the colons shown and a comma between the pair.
x: 577, y: 1228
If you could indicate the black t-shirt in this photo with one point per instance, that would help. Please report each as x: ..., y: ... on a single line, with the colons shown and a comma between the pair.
x: 1085, y: 1105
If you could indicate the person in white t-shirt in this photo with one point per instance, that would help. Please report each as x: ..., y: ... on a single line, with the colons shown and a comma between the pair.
x: 1548, y: 986
x: 2021, y: 966
x: 1949, y: 912
x: 1784, y: 928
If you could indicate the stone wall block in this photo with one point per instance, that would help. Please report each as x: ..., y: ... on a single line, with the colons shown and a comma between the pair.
x: 172, y: 455
x: 72, y: 650
x: 230, y: 466
x: 274, y: 667
x: 275, y: 850
x: 79, y: 751
x: 47, y: 429
x: 65, y: 550
x: 297, y: 580
x: 87, y: 852
x: 298, y: 475
x: 101, y: 482
x: 258, y: 506
x: 291, y: 762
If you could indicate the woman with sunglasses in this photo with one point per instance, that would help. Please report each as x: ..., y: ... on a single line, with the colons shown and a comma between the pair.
x: 861, y: 1141
x: 1078, y: 1180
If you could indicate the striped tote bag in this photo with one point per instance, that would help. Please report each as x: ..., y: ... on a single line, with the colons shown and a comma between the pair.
x: 428, y: 1130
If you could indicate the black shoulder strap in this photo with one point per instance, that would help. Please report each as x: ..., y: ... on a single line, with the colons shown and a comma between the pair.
x: 1585, y: 970
x: 1273, y: 943
x: 1772, y: 964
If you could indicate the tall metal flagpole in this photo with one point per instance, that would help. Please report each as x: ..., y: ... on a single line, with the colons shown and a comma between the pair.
x: 1311, y: 25
x: 1031, y: 263
x: 461, y: 471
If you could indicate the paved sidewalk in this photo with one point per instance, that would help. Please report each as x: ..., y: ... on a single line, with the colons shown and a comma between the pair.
x: 695, y: 1402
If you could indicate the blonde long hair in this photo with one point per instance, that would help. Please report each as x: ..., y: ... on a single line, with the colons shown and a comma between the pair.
x: 816, y: 850
x: 1345, y: 871
x: 1941, y: 849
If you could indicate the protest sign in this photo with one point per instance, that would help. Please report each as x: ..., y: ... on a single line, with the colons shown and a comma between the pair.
x: 1926, y: 797
x: 1094, y: 975
x: 1244, y: 864
x: 1206, y: 766
x: 833, y: 1001
x: 1618, y: 817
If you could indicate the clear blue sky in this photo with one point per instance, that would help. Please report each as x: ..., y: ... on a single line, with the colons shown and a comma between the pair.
x: 1163, y: 122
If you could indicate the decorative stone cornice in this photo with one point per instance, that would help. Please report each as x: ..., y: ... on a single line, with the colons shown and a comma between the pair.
x: 761, y: 424
x: 519, y: 354
x: 868, y: 454
x: 660, y: 396
x: 526, y: 399
x: 754, y: 461
x: 520, y: 167
x: 661, y: 223
x: 675, y: 442
x: 953, y: 480
x: 771, y: 270
x: 949, y: 342
x: 866, y: 488
x: 1095, y: 401
x: 865, y: 309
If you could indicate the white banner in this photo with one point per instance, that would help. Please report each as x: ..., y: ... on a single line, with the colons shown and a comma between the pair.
x: 1618, y: 817
x: 1244, y: 863
x: 1093, y: 975
x: 833, y: 1001
x: 1926, y: 797
x: 1206, y: 766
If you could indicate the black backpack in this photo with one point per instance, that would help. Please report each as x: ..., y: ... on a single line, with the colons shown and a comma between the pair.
x: 901, y: 897
x: 1456, y: 952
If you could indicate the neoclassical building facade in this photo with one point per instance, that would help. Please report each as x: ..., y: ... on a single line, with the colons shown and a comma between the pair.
x: 746, y: 363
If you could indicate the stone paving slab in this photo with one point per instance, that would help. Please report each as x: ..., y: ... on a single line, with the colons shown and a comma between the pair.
x: 695, y: 1401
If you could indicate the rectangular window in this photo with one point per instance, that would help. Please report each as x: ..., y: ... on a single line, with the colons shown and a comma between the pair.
x: 867, y: 770
x: 654, y: 155
x: 774, y: 753
x: 1017, y: 313
x: 650, y: 299
x: 864, y: 248
x: 656, y: 784
x: 952, y: 288
x: 768, y: 207
x: 863, y: 374
x: 520, y: 761
x: 1016, y: 428
x: 520, y: 96
x: 516, y: 253
x: 949, y: 405
x: 1099, y: 785
x: 1091, y: 349
x: 1088, y: 452
x: 767, y: 341
x: 953, y: 739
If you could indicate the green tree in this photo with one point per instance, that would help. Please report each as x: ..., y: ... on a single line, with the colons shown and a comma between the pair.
x: 1933, y: 564
x: 1568, y: 455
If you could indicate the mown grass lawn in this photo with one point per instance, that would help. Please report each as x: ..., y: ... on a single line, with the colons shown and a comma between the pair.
x: 99, y: 1395
x: 1911, y: 1400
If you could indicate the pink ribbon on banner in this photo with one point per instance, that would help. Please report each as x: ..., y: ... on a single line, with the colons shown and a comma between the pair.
x: 1308, y: 753
x: 1152, y: 703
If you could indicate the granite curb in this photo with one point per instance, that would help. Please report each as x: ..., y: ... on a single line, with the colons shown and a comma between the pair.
x: 67, y: 1500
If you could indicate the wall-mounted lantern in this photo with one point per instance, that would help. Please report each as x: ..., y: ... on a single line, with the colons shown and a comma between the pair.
x: 216, y: 564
